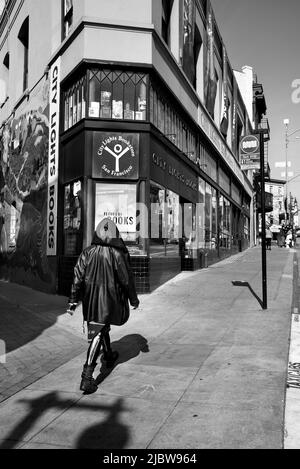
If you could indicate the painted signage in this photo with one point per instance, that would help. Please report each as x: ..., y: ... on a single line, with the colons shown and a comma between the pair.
x: 115, y: 156
x: 174, y: 172
x: 54, y: 106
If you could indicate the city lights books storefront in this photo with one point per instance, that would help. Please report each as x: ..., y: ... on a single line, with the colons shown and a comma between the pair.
x: 128, y: 154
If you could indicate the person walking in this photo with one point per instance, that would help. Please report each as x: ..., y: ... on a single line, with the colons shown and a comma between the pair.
x: 281, y: 238
x: 269, y: 237
x: 104, y: 282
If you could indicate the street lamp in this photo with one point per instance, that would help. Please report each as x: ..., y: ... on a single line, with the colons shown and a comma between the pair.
x: 287, y: 135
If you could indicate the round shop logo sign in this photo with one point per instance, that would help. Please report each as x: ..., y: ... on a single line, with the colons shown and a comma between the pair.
x: 250, y: 144
x: 117, y: 157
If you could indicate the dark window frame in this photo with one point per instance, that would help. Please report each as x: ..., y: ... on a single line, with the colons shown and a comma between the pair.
x: 23, y: 37
x: 167, y: 6
x: 67, y: 18
x: 116, y: 76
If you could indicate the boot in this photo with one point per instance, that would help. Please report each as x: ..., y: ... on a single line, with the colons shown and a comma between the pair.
x: 108, y: 355
x: 88, y: 384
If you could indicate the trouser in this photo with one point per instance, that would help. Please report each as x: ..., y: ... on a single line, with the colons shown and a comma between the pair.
x: 98, y: 335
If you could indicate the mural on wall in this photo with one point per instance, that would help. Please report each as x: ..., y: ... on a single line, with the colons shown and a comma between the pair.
x: 23, y: 191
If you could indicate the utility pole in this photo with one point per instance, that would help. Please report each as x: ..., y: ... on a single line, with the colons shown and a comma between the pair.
x: 263, y: 222
x: 286, y: 123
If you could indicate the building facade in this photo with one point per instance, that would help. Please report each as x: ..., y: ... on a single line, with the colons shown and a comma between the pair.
x: 276, y: 217
x: 128, y: 110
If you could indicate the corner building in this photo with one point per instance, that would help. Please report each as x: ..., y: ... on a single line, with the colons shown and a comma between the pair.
x: 127, y: 109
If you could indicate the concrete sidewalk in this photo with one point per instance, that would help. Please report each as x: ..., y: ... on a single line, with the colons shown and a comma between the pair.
x: 201, y: 366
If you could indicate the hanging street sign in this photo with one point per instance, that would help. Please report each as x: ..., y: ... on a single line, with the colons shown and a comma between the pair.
x: 250, y: 152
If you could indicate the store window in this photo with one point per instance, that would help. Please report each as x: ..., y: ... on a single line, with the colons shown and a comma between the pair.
x: 201, y: 214
x: 73, y: 229
x: 236, y: 194
x: 117, y: 95
x: 188, y: 229
x: 170, y: 123
x: 235, y: 231
x: 112, y: 95
x: 225, y: 223
x: 210, y: 217
x: 224, y: 181
x: 75, y: 103
x: 247, y: 228
x: 165, y: 222
x: 118, y: 203
x: 214, y: 215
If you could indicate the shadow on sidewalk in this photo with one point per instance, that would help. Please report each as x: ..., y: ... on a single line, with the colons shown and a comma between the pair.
x: 128, y: 347
x: 110, y: 433
x: 238, y: 283
x: 19, y: 325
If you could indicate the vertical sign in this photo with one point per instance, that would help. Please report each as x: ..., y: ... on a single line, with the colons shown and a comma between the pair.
x: 211, y: 91
x: 189, y: 18
x: 54, y: 105
x: 225, y: 100
x: 234, y: 118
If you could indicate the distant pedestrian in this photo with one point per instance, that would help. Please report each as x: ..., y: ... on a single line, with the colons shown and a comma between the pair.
x: 281, y: 238
x: 269, y: 237
x: 103, y: 281
x: 289, y: 240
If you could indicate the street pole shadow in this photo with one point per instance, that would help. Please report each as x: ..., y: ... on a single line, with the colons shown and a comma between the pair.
x: 241, y: 283
x: 128, y: 347
x: 108, y: 434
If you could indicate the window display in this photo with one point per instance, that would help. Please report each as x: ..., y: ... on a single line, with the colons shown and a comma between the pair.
x: 165, y: 225
x: 208, y: 216
x: 73, y: 219
x: 74, y: 103
x: 188, y: 229
x: 112, y: 95
x: 117, y: 202
x: 225, y: 223
x: 201, y: 215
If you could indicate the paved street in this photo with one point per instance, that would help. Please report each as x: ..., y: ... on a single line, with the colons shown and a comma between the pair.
x: 201, y: 365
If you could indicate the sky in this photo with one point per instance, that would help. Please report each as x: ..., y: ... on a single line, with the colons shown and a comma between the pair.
x: 265, y: 34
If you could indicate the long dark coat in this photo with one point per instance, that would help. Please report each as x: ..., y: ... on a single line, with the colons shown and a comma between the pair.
x: 103, y: 278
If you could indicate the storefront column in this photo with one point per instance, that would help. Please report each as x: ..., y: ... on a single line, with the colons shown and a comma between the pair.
x: 144, y: 216
x: 88, y: 207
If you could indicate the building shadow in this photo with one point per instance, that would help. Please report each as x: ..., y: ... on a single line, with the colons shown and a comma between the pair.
x: 241, y: 283
x: 20, y: 325
x: 128, y: 347
x: 108, y: 434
